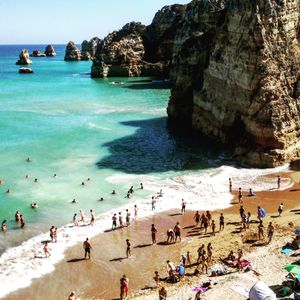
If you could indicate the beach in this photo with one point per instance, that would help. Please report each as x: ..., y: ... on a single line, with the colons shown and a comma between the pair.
x: 99, y: 277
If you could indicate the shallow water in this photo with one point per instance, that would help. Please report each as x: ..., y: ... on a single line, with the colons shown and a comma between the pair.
x: 78, y: 128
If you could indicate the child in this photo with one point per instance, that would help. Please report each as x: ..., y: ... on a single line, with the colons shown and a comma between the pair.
x: 157, y: 279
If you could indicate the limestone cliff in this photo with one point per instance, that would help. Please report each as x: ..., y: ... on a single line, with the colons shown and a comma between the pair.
x: 88, y: 48
x: 235, y: 76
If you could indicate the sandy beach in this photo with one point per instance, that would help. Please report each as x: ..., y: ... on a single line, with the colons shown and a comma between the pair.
x: 99, y: 277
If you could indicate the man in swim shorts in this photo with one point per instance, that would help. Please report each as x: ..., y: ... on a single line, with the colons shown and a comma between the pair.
x: 87, y: 248
x: 177, y: 231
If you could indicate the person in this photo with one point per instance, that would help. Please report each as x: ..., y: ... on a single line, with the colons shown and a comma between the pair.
x: 28, y: 159
x: 177, y: 231
x: 204, y: 221
x: 8, y: 191
x: 270, y: 232
x: 160, y: 193
x: 260, y: 213
x: 162, y: 293
x: 127, y: 217
x: 46, y: 250
x: 222, y: 222
x: 170, y: 235
x: 101, y: 199
x: 3, y: 226
x: 87, y: 248
x: 34, y: 205
x: 251, y: 193
x: 127, y: 196
x: 113, y: 192
x: 156, y: 279
x: 73, y: 201
x: 198, y: 295
x: 92, y: 222
x: 280, y: 209
x: 153, y: 233
x: 239, y: 259
x: 135, y: 211
x: 75, y: 222
x: 278, y: 181
x: 242, y: 211
x: 124, y: 287
x: 260, y: 230
x: 82, y: 216
x: 26, y: 176
x: 197, y: 218
x: 200, y: 252
x: 142, y: 187
x: 131, y: 191
x: 248, y: 219
x: 153, y: 201
x: 89, y: 179
x: 55, y: 235
x: 188, y: 258
x: 17, y: 216
x: 52, y: 230
x: 244, y: 221
x: 181, y: 270
x: 240, y: 195
x: 114, y: 222
x: 72, y: 296
x: 213, y: 227
x: 128, y: 249
x: 203, y: 262
x: 208, y: 216
x: 170, y: 269
x: 209, y: 252
x: 82, y: 183
x: 121, y: 220
x: 35, y: 180
x: 230, y: 185
x: 22, y: 221
x: 183, y: 205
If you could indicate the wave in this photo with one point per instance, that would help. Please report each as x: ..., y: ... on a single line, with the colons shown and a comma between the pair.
x: 202, y: 190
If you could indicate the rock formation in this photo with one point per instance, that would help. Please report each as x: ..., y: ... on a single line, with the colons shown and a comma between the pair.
x: 24, y: 58
x: 88, y: 49
x: 72, y: 52
x: 234, y: 70
x: 235, y: 77
x: 49, y: 51
x: 37, y: 53
x: 25, y: 70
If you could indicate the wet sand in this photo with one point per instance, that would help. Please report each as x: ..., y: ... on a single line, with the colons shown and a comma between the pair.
x: 99, y: 278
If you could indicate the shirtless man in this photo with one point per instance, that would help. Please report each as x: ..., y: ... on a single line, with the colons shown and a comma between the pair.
x: 17, y: 216
x: 153, y: 233
x: 52, y: 232
x: 197, y: 218
x: 222, y: 222
x: 177, y: 231
x: 183, y: 205
x: 153, y: 201
x: 278, y: 181
x: 121, y: 220
x: 128, y: 249
x: 127, y: 217
x: 82, y: 216
x: 114, y: 222
x: 170, y: 236
x: 200, y: 252
x: 72, y: 296
x: 87, y: 248
x: 270, y: 232
x: 22, y: 221
x: 280, y: 209
x: 92, y: 222
x: 261, y: 230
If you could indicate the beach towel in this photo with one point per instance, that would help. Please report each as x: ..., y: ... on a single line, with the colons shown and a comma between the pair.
x: 203, y: 287
x: 241, y: 289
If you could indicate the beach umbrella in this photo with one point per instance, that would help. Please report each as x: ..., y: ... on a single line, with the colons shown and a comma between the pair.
x: 293, y: 269
x: 297, y: 231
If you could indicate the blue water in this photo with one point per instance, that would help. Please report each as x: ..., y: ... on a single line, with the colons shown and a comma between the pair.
x: 79, y: 128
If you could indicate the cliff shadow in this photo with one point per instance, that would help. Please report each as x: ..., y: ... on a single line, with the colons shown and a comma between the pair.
x: 154, y: 148
x: 147, y: 85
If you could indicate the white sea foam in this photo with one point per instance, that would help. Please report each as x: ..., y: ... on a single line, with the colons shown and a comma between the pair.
x: 206, y: 190
x: 95, y: 126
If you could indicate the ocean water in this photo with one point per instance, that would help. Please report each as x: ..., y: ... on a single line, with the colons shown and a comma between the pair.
x: 79, y: 128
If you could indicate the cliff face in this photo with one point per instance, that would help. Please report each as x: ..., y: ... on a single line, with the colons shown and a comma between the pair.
x: 235, y: 76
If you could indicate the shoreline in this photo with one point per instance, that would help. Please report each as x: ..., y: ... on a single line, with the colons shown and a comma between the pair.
x: 108, y: 247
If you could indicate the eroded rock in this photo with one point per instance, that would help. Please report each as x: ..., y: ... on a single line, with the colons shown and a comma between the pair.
x: 72, y: 52
x: 24, y: 58
x: 50, y: 51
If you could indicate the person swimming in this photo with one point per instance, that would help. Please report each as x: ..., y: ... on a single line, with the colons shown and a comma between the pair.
x: 74, y: 201
x: 34, y: 205
x: 28, y: 159
x: 113, y: 192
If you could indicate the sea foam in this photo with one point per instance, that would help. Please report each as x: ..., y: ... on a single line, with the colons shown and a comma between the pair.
x: 202, y: 191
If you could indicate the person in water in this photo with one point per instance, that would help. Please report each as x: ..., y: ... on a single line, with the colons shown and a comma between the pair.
x: 113, y: 192
x: 34, y: 205
x: 28, y: 159
x: 74, y: 201
x: 46, y: 250
x: 3, y: 226
x: 17, y: 216
x: 22, y: 221
x: 142, y: 187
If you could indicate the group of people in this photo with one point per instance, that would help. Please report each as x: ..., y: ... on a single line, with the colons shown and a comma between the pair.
x: 83, y: 218
x: 205, y: 220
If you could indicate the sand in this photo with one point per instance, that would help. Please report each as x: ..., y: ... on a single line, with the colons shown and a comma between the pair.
x: 99, y: 277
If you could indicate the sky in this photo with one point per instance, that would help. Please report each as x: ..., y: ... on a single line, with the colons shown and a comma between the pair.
x: 60, y: 21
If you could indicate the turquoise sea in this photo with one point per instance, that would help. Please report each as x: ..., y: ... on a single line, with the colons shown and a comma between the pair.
x: 79, y: 128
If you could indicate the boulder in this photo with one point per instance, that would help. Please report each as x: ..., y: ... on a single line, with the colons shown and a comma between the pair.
x: 25, y: 70
x: 72, y: 52
x: 24, y: 58
x: 37, y: 53
x: 50, y: 51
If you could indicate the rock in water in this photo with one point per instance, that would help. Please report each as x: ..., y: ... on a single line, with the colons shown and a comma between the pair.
x: 72, y: 52
x: 37, y: 53
x: 24, y: 58
x: 50, y: 51
x: 25, y: 70
x: 88, y: 49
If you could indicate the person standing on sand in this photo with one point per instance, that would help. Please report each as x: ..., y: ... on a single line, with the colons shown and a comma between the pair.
x: 239, y: 259
x: 128, y: 249
x: 162, y: 293
x: 170, y: 235
x: 242, y: 212
x: 209, y: 253
x: 183, y: 205
x: 92, y: 222
x: 127, y: 217
x: 52, y: 229
x: 72, y: 296
x: 75, y: 222
x: 153, y: 233
x: 124, y: 281
x: 261, y: 230
x: 177, y: 231
x: 280, y: 209
x: 114, y: 222
x: 188, y: 258
x: 157, y: 279
x: 213, y: 227
x: 46, y: 250
x: 230, y: 185
x: 204, y: 220
x: 248, y: 220
x: 153, y: 201
x: 135, y: 211
x: 222, y: 222
x: 240, y: 195
x: 197, y: 218
x: 278, y: 181
x: 87, y: 248
x: 270, y: 232
x: 121, y: 220
x: 200, y: 252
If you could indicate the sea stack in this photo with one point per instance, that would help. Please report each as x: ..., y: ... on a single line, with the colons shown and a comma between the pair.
x: 88, y: 49
x: 72, y: 52
x: 37, y: 53
x: 25, y: 70
x: 50, y: 51
x: 24, y: 58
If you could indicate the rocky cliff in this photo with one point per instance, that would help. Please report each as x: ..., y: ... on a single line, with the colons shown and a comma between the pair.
x: 88, y: 48
x: 234, y: 70
x: 72, y: 52
x: 235, y: 76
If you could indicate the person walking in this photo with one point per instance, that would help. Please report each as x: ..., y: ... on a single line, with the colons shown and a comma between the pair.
x: 153, y: 233
x: 87, y: 248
